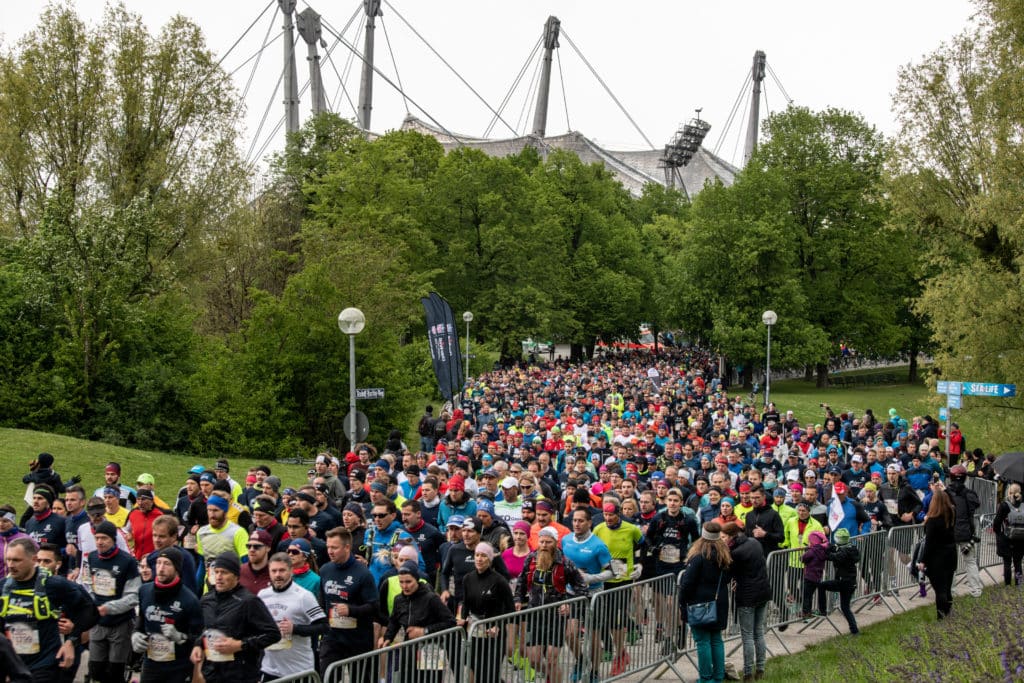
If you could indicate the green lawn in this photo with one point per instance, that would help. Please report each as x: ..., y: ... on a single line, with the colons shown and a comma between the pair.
x: 913, y: 646
x: 88, y: 458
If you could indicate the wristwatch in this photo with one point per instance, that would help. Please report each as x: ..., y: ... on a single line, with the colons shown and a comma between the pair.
x: 71, y: 639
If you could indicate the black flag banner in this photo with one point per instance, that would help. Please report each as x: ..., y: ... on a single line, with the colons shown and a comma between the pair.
x: 443, y: 336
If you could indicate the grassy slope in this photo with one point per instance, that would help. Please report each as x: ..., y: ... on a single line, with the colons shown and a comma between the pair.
x: 87, y: 458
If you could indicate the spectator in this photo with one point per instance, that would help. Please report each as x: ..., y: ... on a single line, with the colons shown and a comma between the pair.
x: 708, y: 563
x: 749, y: 571
x: 937, y: 560
x: 1009, y: 528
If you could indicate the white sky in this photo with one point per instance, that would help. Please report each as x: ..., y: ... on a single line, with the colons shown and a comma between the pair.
x: 662, y: 59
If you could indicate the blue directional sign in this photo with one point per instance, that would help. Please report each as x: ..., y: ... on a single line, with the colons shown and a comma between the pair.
x: 954, y: 401
x: 990, y: 390
x: 943, y: 413
x: 946, y: 387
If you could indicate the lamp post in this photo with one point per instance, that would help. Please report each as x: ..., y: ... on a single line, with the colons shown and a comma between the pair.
x: 468, y: 317
x: 351, y: 321
x: 769, y: 318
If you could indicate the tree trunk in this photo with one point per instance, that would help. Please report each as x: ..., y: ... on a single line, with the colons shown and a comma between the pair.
x: 912, y: 371
x: 808, y: 373
x: 822, y: 369
x: 748, y: 375
x: 576, y: 352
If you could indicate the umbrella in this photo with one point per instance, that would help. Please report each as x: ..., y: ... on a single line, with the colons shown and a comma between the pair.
x: 1010, y: 466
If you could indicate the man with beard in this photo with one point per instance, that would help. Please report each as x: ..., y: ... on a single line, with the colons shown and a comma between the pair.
x: 263, y: 515
x: 349, y: 596
x: 74, y: 501
x: 382, y: 536
x: 299, y: 618
x: 220, y: 535
x: 238, y: 627
x: 114, y: 585
x: 430, y: 502
x: 255, y: 574
x: 509, y: 508
x: 426, y: 536
x: 140, y: 521
x: 547, y: 577
x: 190, y: 508
x: 112, y: 479
x: 169, y: 621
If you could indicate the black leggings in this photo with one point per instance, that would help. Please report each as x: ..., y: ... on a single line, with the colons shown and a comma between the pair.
x: 106, y: 672
x: 942, y: 584
x: 845, y: 588
x: 1014, y: 558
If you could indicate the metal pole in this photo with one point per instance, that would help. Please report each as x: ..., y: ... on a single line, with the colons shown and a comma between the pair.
x: 352, y: 389
x: 768, y: 368
x: 467, y: 350
x: 949, y: 426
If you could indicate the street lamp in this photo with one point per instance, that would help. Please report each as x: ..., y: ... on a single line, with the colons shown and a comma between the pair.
x: 351, y: 321
x: 769, y: 318
x: 468, y: 317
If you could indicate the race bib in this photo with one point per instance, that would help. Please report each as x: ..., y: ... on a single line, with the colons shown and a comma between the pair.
x: 430, y: 658
x: 104, y: 584
x: 669, y: 554
x: 190, y: 542
x: 892, y: 506
x: 338, y: 620
x: 24, y: 639
x: 211, y: 638
x: 160, y: 649
x: 619, y: 568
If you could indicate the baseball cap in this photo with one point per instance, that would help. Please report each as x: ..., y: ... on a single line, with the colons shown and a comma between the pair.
x: 839, y: 487
x: 455, y: 521
x: 509, y: 482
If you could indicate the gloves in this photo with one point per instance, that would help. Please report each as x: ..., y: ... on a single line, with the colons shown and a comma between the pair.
x: 637, y: 569
x: 588, y: 578
x: 140, y: 643
x: 172, y: 634
x: 77, y: 479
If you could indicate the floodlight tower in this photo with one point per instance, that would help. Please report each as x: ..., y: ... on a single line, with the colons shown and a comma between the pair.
x: 308, y: 22
x: 680, y: 150
x: 757, y: 75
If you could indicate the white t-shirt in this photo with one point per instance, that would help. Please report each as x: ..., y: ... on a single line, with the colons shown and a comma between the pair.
x: 87, y: 543
x: 293, y: 655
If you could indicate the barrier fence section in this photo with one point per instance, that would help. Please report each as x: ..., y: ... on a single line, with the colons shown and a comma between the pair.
x: 433, y: 658
x: 988, y: 493
x: 538, y: 643
x: 639, y: 623
x: 306, y: 677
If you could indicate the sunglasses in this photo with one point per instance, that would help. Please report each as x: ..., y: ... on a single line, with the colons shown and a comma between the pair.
x: 255, y: 546
x: 379, y: 515
x: 295, y: 551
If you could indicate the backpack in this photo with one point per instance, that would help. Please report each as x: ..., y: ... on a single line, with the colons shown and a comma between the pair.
x: 1014, y: 527
x: 426, y: 426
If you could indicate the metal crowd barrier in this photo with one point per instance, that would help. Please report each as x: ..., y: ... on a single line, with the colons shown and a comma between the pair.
x: 899, y: 548
x: 306, y: 677
x: 531, y: 644
x: 434, y: 658
x: 988, y: 493
x: 641, y: 621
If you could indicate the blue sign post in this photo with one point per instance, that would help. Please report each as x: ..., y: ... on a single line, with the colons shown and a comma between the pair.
x: 956, y: 390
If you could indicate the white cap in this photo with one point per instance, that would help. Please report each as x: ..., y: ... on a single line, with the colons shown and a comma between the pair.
x: 509, y: 482
x: 857, y: 458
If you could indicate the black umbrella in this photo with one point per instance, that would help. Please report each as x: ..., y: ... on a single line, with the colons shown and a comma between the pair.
x: 1010, y: 466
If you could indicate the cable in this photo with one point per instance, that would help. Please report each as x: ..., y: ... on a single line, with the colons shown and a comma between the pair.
x: 266, y: 112
x: 771, y: 71
x: 732, y: 114
x: 345, y: 71
x: 384, y: 77
x: 246, y: 32
x: 565, y: 100
x: 450, y: 67
x: 398, y: 77
x: 254, y: 55
x: 515, y: 83
x: 528, y: 100
x: 341, y: 86
x: 740, y: 134
x: 607, y: 89
x: 256, y: 65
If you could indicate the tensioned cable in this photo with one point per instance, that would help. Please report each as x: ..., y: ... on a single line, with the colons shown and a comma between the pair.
x: 607, y: 89
x: 384, y: 77
x: 515, y: 84
x: 246, y: 32
x: 266, y: 112
x: 345, y: 71
x: 341, y: 86
x: 565, y: 100
x: 256, y: 64
x: 450, y: 67
x: 732, y: 114
x: 771, y: 71
x: 740, y: 133
x: 528, y: 99
x: 394, y: 64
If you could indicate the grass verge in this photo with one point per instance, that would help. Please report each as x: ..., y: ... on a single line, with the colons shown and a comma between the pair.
x: 982, y: 641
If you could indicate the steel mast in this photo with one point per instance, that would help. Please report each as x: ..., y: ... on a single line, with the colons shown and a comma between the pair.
x: 372, y: 9
x: 291, y: 88
x: 757, y: 75
x: 308, y: 22
x: 540, y: 116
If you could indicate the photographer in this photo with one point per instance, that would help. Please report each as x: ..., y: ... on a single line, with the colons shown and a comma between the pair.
x: 965, y: 504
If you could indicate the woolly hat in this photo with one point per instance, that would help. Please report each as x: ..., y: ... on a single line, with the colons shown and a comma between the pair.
x: 105, y: 528
x: 172, y: 554
x: 228, y: 562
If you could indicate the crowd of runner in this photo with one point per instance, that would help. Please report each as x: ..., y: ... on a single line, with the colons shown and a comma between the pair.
x: 540, y: 484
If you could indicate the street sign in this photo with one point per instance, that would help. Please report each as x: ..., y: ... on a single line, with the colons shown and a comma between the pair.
x: 376, y: 392
x: 990, y: 390
x: 943, y: 413
x: 362, y: 425
x: 954, y: 402
x: 942, y: 386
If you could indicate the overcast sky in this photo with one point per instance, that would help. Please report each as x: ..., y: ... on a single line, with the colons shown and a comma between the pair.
x: 662, y: 59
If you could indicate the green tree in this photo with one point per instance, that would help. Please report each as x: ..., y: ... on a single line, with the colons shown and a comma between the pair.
x: 958, y: 183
